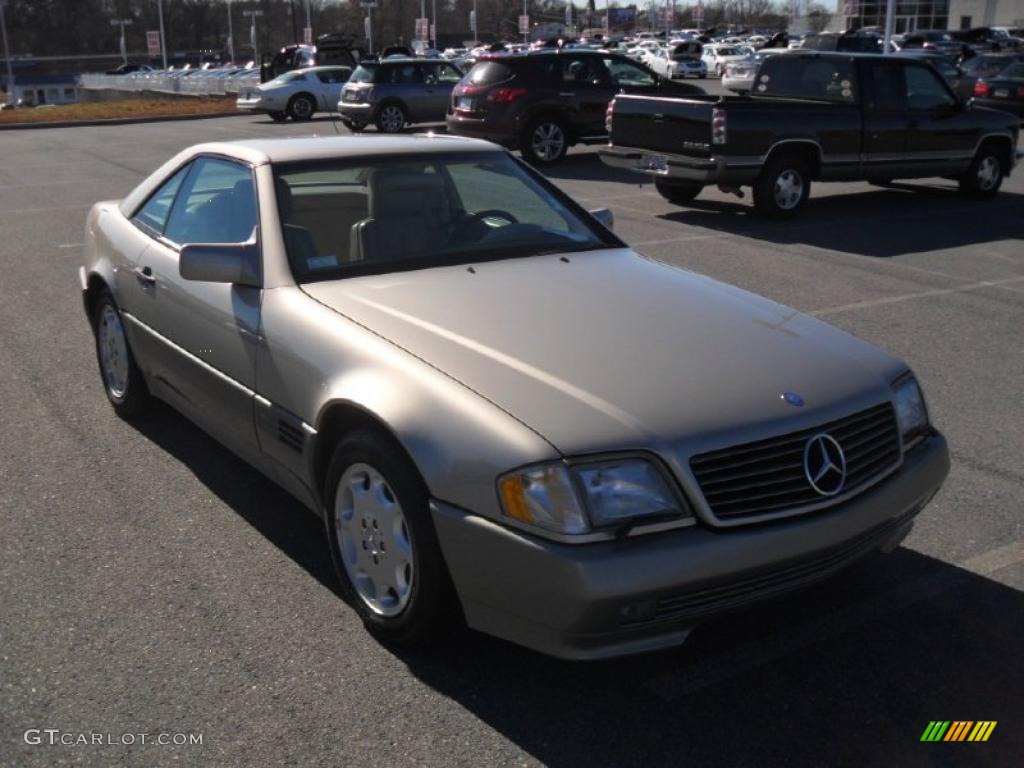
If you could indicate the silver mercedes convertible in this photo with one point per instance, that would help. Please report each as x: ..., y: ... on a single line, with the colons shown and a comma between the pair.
x: 503, y: 414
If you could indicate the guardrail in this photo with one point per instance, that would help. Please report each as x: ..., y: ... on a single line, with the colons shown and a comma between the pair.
x: 196, y: 82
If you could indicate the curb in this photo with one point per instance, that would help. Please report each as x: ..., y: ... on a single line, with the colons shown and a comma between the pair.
x: 121, y: 120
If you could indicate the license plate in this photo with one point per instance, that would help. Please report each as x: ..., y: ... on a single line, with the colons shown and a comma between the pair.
x: 466, y: 104
x: 655, y: 163
x: 1002, y: 93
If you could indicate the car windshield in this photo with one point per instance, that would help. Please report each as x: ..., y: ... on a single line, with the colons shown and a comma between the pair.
x: 364, y: 73
x: 982, y: 66
x: 395, y: 213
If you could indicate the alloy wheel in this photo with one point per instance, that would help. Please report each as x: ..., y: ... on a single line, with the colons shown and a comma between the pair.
x: 988, y: 173
x: 113, y: 352
x: 374, y: 540
x: 789, y: 189
x: 548, y: 141
x: 391, y: 119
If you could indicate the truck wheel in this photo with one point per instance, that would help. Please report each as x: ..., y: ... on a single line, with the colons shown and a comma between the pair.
x: 383, y: 543
x: 301, y: 108
x: 985, y: 176
x: 544, y: 142
x: 678, y: 192
x: 782, y: 187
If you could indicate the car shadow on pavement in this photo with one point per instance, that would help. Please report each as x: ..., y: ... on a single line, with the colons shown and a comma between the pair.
x: 587, y: 166
x: 847, y: 672
x: 872, y: 222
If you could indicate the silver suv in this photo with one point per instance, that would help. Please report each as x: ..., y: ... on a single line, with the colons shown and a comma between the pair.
x: 396, y: 92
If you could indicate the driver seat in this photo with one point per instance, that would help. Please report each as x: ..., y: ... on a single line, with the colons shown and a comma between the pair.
x: 409, y: 216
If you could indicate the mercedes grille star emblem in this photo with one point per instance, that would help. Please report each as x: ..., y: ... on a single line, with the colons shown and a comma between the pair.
x: 825, y: 464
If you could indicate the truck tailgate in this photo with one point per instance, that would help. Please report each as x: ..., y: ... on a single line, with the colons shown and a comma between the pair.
x: 680, y: 126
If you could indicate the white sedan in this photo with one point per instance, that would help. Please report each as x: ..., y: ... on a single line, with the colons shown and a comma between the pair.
x: 716, y: 57
x: 297, y: 94
x: 739, y: 75
x: 676, y: 62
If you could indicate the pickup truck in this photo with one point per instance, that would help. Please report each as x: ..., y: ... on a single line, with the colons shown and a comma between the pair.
x: 814, y: 116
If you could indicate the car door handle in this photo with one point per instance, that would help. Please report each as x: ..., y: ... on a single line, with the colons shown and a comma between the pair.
x: 567, y: 94
x: 145, y: 275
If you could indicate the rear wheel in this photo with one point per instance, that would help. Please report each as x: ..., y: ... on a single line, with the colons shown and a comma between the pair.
x: 122, y: 380
x: 544, y: 142
x: 678, y: 192
x: 782, y: 188
x: 985, y: 175
x: 301, y: 107
x: 383, y: 542
x: 391, y: 118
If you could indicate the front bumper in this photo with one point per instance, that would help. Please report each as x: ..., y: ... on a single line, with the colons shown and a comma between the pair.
x: 592, y: 601
x: 706, y: 170
x: 361, y: 112
x: 257, y: 105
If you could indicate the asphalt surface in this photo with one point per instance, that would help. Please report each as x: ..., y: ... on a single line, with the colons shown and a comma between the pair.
x: 152, y: 583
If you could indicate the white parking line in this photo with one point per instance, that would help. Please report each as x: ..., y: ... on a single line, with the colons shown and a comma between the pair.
x: 71, y: 245
x: 754, y: 654
x: 44, y: 210
x: 919, y: 295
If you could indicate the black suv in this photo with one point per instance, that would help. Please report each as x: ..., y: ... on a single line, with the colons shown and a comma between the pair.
x: 546, y: 101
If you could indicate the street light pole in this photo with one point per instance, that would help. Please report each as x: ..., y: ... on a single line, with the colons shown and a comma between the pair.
x: 163, y: 42
x: 252, y: 35
x: 433, y: 26
x: 309, y: 23
x: 7, y: 55
x: 890, y: 21
x: 122, y: 23
x: 231, y: 36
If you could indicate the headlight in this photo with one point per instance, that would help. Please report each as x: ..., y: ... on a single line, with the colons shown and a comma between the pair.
x: 911, y: 412
x: 574, y: 498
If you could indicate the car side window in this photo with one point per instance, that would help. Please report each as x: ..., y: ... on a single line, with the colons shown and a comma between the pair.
x: 582, y: 70
x: 925, y: 89
x: 339, y: 75
x: 886, y: 86
x: 449, y: 74
x: 216, y: 204
x: 155, y: 211
x: 629, y: 75
x: 407, y: 73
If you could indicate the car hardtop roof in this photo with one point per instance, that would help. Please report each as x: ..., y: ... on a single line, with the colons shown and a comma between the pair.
x: 298, y: 149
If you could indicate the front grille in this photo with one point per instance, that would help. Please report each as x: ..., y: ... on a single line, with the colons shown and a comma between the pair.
x: 767, y: 476
x: 772, y: 582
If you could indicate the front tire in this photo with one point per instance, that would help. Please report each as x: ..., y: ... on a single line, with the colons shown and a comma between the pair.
x: 984, y: 177
x: 678, y: 192
x: 301, y: 108
x: 383, y: 543
x: 278, y: 117
x: 782, y: 187
x: 544, y: 141
x: 122, y: 380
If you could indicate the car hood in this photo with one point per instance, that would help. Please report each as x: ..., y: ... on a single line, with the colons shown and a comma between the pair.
x: 607, y: 350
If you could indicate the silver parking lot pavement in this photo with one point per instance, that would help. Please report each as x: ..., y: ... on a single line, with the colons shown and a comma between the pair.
x: 151, y: 582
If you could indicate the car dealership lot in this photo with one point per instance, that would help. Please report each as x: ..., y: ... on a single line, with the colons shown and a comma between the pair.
x: 152, y: 583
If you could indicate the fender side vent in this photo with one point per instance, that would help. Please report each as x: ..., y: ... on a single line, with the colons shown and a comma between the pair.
x: 290, y: 435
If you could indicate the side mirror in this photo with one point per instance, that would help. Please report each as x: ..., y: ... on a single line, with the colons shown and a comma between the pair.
x: 604, y: 216
x: 236, y: 263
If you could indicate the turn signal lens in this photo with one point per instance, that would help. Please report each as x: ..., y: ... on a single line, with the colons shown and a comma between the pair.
x: 543, y: 496
x: 718, y: 133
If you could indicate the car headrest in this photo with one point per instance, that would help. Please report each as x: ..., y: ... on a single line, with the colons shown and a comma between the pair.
x: 394, y: 193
